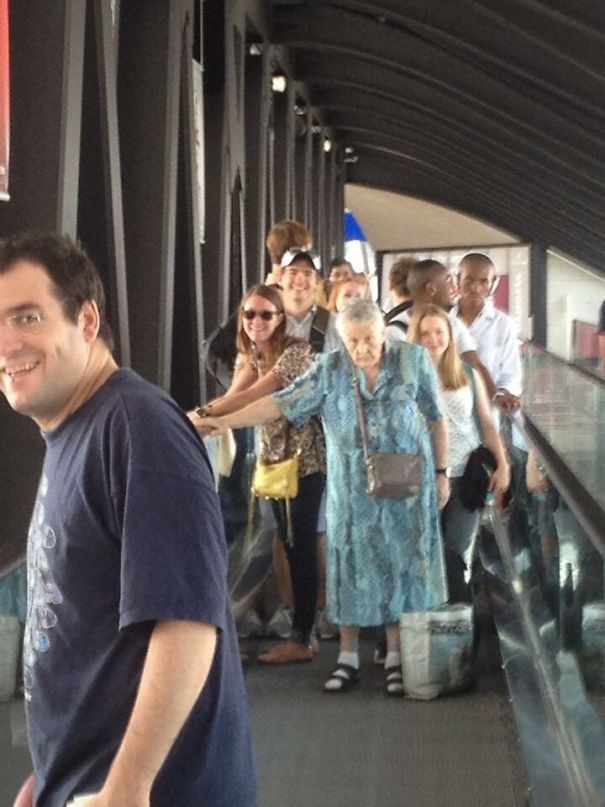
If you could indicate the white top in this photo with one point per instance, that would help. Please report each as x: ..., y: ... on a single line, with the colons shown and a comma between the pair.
x: 396, y: 331
x: 301, y: 329
x: 463, y: 435
x: 462, y: 336
x: 497, y: 346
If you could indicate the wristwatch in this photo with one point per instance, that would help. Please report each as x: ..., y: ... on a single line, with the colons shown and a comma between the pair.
x: 444, y: 471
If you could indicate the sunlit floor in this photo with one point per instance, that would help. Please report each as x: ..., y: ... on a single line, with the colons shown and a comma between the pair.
x: 361, y: 749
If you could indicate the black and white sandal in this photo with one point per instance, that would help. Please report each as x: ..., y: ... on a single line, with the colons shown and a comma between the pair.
x: 393, y: 682
x: 342, y: 679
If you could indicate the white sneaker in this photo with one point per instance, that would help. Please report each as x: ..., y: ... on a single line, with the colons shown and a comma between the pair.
x: 280, y: 624
x: 250, y: 626
x: 325, y: 628
x: 380, y: 653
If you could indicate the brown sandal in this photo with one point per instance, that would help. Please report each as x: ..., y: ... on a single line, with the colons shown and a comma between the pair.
x: 288, y: 652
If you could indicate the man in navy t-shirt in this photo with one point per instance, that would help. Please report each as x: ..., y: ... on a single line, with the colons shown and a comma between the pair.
x: 133, y: 684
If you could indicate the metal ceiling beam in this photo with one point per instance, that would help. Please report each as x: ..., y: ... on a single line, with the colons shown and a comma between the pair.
x: 482, y: 96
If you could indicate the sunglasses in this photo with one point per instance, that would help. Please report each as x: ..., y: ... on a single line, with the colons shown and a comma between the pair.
x: 250, y: 313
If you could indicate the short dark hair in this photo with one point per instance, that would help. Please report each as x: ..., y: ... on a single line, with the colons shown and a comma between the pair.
x: 339, y: 261
x: 478, y: 257
x: 421, y: 273
x: 74, y: 277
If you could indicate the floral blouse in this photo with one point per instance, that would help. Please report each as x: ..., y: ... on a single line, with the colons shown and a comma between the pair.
x: 279, y: 440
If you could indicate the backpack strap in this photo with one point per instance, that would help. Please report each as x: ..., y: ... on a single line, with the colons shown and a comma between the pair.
x: 397, y: 323
x: 319, y: 325
x: 398, y: 309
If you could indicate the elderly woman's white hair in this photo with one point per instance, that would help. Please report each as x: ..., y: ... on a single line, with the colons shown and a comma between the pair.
x: 360, y: 312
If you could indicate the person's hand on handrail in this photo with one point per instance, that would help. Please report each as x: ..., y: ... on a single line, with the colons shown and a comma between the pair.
x: 506, y: 401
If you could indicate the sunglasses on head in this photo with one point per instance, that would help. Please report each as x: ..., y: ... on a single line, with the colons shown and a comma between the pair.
x: 250, y: 313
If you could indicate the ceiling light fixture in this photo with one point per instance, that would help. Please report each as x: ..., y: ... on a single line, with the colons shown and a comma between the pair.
x: 279, y: 83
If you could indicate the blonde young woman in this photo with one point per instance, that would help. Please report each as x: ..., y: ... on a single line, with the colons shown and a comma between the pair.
x: 465, y: 402
x: 269, y: 361
x: 347, y: 289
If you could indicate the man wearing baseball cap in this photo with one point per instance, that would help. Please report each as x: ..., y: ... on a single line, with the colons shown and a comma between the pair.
x: 300, y: 281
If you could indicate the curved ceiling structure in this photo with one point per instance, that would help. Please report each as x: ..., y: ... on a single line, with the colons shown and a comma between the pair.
x: 393, y: 222
x: 494, y: 109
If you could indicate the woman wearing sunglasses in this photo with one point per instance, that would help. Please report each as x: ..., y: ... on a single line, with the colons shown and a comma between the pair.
x: 269, y: 360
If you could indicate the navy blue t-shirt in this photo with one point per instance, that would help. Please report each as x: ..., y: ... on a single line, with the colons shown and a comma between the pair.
x: 127, y: 530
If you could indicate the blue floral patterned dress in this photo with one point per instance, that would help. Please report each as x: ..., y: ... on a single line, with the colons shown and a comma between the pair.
x: 385, y: 556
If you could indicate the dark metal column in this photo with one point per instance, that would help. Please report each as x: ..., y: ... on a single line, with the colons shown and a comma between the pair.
x: 281, y: 176
x: 188, y: 378
x: 334, y: 194
x: 321, y: 228
x: 309, y: 208
x: 538, y: 292
x: 213, y: 58
x: 100, y: 208
x: 148, y: 95
x: 257, y: 103
x: 298, y: 212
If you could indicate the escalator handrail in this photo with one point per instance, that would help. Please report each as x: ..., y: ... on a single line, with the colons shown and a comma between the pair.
x: 587, y: 510
x: 563, y: 729
x: 576, y: 368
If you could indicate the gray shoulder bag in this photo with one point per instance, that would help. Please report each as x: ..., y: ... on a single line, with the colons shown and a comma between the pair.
x: 390, y: 476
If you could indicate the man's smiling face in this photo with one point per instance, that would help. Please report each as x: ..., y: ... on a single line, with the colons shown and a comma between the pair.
x: 43, y: 355
x: 299, y: 282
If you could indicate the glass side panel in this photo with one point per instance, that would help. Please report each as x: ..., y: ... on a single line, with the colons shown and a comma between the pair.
x: 555, y: 560
x: 568, y: 407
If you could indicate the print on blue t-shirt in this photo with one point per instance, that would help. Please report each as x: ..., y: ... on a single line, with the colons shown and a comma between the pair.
x: 126, y: 531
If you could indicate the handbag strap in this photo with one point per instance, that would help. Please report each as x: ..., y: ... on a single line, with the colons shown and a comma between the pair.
x: 360, y: 417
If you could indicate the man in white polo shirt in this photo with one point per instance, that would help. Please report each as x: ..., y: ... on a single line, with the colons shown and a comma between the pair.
x: 492, y: 330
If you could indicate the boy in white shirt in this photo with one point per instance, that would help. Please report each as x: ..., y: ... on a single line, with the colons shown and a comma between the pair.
x: 492, y: 330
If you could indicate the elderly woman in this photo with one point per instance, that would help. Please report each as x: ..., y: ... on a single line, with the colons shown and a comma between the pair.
x: 385, y: 555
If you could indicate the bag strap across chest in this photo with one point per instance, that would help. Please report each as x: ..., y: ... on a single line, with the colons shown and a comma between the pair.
x: 319, y: 325
x: 360, y: 417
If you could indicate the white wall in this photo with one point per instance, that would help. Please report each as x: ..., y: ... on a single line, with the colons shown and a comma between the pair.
x: 573, y: 292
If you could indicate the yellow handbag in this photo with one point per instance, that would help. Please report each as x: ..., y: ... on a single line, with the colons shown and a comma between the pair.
x: 278, y: 480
